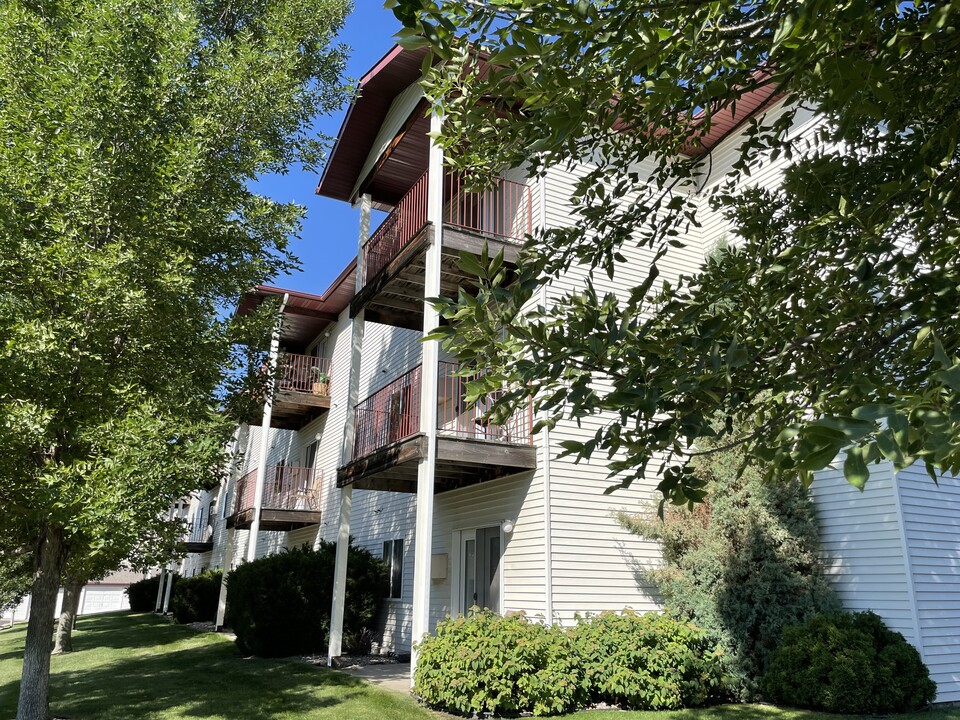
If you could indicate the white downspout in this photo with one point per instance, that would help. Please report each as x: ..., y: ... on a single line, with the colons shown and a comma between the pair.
x: 547, y: 455
x: 265, y: 439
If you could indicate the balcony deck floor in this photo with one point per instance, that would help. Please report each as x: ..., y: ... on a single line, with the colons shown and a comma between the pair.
x: 271, y: 519
x: 460, y: 462
x: 395, y: 295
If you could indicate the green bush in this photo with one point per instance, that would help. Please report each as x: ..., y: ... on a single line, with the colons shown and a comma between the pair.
x: 194, y: 599
x: 280, y: 605
x: 647, y: 662
x: 742, y: 565
x: 143, y: 593
x: 848, y: 663
x: 486, y: 663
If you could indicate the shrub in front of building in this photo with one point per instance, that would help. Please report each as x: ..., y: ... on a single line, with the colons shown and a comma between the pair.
x: 486, y: 663
x: 194, y: 599
x: 143, y: 593
x: 647, y: 662
x: 847, y: 663
x: 279, y: 605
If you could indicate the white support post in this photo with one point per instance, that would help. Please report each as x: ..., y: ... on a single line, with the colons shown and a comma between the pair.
x: 166, y: 595
x: 227, y: 563
x: 426, y: 473
x: 243, y: 433
x: 163, y: 577
x: 265, y: 436
x: 335, y: 646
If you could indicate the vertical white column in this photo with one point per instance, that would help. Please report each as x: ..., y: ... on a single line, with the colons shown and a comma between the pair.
x: 163, y: 578
x: 243, y: 433
x: 227, y: 563
x: 166, y: 594
x: 426, y: 473
x: 265, y: 437
x: 334, y: 648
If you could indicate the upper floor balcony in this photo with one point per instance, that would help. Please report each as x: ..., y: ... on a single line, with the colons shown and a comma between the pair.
x: 389, y: 444
x: 198, y: 535
x: 291, y: 498
x: 394, y: 256
x: 303, y: 385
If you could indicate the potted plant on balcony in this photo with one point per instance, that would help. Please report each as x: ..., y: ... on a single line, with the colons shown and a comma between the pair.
x: 321, y: 381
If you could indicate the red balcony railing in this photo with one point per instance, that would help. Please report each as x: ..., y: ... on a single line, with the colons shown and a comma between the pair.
x: 393, y: 413
x: 195, y: 530
x: 304, y: 373
x: 401, y: 226
x: 504, y: 210
x: 292, y: 488
x: 390, y: 414
x: 285, y: 487
x: 455, y: 418
x: 246, y: 490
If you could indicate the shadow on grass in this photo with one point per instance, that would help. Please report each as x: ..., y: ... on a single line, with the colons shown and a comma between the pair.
x: 118, y: 671
x: 124, y: 630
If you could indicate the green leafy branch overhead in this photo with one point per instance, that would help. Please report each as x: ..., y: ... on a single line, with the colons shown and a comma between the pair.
x: 830, y: 323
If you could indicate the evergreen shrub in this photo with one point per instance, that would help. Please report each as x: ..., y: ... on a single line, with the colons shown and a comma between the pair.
x: 743, y: 564
x: 279, y: 605
x: 486, y: 663
x: 848, y: 663
x: 647, y: 662
x: 194, y: 599
x: 143, y: 593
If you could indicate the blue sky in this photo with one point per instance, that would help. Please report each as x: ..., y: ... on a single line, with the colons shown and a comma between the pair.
x: 328, y: 240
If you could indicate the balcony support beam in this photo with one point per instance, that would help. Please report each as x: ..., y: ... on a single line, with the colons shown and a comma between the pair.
x: 334, y: 647
x: 426, y: 474
x: 265, y: 433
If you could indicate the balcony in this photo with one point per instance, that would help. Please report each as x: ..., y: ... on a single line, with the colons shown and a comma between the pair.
x: 303, y: 390
x: 389, y: 445
x: 291, y: 499
x: 198, y: 536
x: 394, y: 261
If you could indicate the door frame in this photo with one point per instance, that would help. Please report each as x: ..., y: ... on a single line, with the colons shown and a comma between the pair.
x: 458, y: 538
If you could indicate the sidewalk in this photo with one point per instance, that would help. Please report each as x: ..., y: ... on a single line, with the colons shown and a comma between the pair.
x: 394, y: 676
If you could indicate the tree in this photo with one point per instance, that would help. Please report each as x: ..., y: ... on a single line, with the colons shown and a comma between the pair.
x: 832, y: 319
x: 130, y: 131
x: 744, y: 564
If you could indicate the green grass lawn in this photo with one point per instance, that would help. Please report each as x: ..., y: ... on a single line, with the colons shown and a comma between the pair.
x: 140, y: 667
x: 759, y: 712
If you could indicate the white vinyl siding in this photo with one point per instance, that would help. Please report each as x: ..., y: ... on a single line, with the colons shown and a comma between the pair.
x: 931, y: 522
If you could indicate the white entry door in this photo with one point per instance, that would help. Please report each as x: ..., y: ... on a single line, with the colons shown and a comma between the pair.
x: 480, y: 553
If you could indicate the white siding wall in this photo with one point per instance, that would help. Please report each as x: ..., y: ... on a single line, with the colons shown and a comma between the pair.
x: 863, y: 546
x: 764, y: 173
x: 596, y: 564
x: 931, y: 524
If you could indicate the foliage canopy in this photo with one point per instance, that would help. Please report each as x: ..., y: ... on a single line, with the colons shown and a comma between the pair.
x: 831, y: 322
x: 129, y: 133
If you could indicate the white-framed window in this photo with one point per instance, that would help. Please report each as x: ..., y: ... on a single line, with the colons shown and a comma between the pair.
x: 393, y: 557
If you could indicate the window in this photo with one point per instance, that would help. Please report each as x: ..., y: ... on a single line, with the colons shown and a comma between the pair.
x: 393, y: 557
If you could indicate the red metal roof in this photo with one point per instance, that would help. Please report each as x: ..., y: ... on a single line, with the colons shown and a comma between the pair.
x: 392, y: 74
x: 305, y: 314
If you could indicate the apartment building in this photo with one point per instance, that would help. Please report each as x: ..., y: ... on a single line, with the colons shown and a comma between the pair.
x: 368, y: 435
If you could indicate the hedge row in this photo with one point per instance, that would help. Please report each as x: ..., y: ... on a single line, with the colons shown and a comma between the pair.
x: 486, y: 663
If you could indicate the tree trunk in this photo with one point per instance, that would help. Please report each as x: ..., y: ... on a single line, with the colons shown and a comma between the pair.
x: 68, y: 616
x: 35, y: 679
